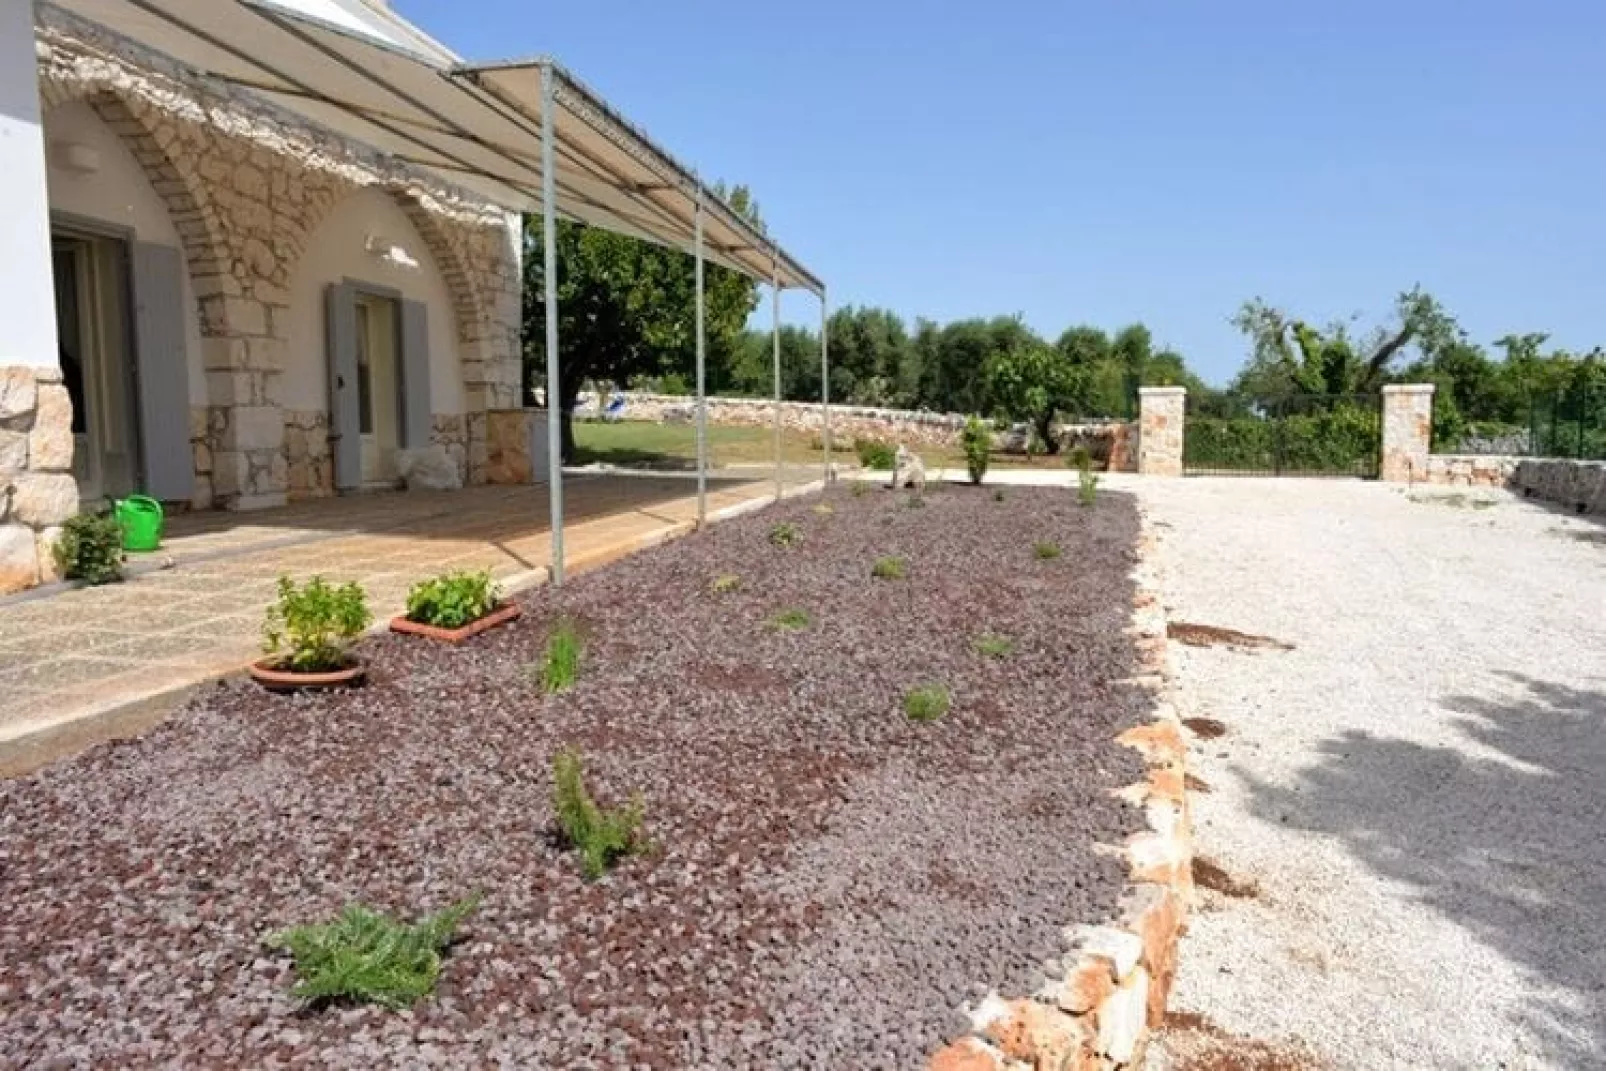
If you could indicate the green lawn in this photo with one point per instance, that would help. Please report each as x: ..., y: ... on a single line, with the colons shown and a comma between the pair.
x: 636, y: 443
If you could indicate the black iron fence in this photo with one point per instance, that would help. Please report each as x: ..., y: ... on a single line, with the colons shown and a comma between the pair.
x: 1567, y: 423
x: 1305, y: 435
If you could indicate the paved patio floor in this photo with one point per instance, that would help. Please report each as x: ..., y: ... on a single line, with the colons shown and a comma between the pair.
x: 73, y: 653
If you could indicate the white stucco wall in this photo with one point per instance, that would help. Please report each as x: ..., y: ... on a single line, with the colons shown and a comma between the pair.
x: 118, y: 194
x: 27, y: 304
x: 336, y: 251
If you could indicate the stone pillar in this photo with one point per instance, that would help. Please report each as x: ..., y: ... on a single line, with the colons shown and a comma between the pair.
x: 1407, y: 431
x: 1162, y: 412
x: 37, y: 489
x: 516, y: 446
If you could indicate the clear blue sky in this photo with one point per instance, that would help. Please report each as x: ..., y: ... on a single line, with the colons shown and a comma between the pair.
x: 1105, y: 162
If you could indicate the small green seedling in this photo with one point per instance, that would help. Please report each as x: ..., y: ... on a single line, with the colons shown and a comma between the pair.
x: 600, y: 836
x: 916, y: 501
x: 890, y: 568
x: 860, y: 488
x: 1046, y: 551
x: 926, y: 703
x: 995, y: 645
x: 792, y: 620
x: 726, y: 584
x: 786, y: 534
x: 371, y: 958
x: 998, y: 494
x: 564, y: 649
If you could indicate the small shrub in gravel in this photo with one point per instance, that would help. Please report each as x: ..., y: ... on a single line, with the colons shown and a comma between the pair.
x: 998, y: 495
x: 874, y: 454
x: 726, y: 584
x: 452, y: 600
x: 926, y: 703
x: 1046, y: 551
x: 90, y: 548
x: 977, y: 440
x: 600, y: 836
x: 994, y: 645
x: 890, y: 567
x: 312, y: 626
x: 824, y: 509
x: 368, y: 957
x: 860, y: 488
x: 793, y: 620
x: 916, y: 501
x: 786, y: 534
x: 564, y: 649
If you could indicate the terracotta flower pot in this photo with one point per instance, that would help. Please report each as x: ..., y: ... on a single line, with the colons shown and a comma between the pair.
x: 500, y: 616
x: 267, y: 672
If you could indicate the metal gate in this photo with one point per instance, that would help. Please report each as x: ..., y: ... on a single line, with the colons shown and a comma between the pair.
x: 1303, y: 435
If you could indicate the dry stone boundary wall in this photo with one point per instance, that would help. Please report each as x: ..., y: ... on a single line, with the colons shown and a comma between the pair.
x: 1117, y: 978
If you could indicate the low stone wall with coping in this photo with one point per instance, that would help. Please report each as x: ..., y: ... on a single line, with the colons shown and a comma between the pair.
x: 1577, y: 485
x: 1468, y: 470
x: 1098, y: 1015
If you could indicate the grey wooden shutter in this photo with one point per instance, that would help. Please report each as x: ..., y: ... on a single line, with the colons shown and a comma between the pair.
x: 345, y: 430
x: 415, y: 430
x: 162, y: 372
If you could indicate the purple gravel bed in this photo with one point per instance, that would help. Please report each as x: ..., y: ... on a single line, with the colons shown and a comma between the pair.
x: 827, y: 883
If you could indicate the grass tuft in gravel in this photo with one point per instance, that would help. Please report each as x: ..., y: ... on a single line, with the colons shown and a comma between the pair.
x: 916, y: 501
x: 890, y: 567
x: 860, y: 488
x: 369, y: 957
x: 786, y: 534
x: 994, y: 645
x: 726, y: 584
x: 998, y: 495
x: 791, y: 620
x: 600, y: 836
x: 564, y: 649
x: 1046, y: 551
x: 926, y: 703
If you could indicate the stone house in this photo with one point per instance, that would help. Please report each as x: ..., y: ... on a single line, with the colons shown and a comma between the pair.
x: 240, y: 309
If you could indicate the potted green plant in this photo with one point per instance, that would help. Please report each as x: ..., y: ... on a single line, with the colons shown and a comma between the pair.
x: 454, y: 606
x: 308, y: 636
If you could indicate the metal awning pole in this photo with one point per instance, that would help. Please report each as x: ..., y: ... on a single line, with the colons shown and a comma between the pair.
x: 554, y: 392
x: 775, y: 323
x: 825, y: 386
x: 702, y: 397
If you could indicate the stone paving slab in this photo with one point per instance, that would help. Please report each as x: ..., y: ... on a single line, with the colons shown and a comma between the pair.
x: 77, y: 653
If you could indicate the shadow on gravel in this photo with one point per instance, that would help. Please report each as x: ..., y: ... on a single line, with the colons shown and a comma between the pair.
x: 1509, y: 847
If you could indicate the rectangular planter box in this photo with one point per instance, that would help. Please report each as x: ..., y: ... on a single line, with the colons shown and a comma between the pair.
x: 499, y: 616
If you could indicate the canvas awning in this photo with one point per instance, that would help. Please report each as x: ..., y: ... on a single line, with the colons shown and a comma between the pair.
x: 354, y: 68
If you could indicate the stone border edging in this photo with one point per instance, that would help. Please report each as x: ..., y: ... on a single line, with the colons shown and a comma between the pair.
x: 1098, y: 1016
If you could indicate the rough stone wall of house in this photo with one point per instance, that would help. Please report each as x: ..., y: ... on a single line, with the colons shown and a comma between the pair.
x: 246, y: 185
x: 449, y: 431
x: 37, y: 489
x: 1407, y: 431
x: 309, y: 462
x: 1161, y: 419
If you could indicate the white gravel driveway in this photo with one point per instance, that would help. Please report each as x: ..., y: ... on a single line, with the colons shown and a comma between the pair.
x: 1418, y: 789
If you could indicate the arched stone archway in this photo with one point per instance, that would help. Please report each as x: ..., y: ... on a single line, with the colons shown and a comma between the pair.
x: 173, y: 175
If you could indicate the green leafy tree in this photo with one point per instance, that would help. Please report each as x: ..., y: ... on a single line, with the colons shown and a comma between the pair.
x: 1029, y: 380
x: 1289, y: 356
x: 627, y: 308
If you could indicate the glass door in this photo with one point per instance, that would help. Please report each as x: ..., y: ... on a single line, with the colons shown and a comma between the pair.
x: 91, y: 284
